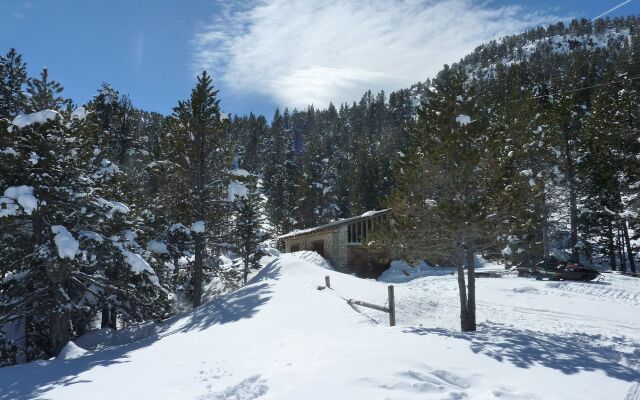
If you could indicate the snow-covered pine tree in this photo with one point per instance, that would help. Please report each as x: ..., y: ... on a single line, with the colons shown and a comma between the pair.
x: 13, y: 79
x: 200, y: 161
x: 442, y: 206
x: 43, y: 94
x: 248, y: 230
x: 280, y: 172
x: 60, y: 235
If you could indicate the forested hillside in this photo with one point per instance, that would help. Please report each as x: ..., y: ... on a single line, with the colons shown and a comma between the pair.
x: 527, y: 147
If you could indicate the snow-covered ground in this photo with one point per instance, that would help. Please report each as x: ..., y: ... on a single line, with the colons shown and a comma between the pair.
x: 281, y: 338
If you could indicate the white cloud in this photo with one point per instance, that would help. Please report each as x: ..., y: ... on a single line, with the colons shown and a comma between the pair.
x: 313, y: 52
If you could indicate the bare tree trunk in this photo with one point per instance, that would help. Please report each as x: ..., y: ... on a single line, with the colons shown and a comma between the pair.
x: 573, y: 207
x: 625, y: 233
x: 198, y: 271
x: 106, y: 318
x: 623, y: 264
x: 545, y: 224
x: 612, y: 246
x: 176, y: 271
x: 59, y: 316
x: 462, y: 290
x: 246, y: 269
x: 471, y: 286
x: 59, y: 330
x: 467, y: 292
x: 113, y: 318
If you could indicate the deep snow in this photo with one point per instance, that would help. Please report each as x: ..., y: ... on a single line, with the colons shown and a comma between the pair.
x: 281, y: 338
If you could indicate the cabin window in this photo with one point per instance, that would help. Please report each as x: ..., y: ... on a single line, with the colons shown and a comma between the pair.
x: 294, y: 247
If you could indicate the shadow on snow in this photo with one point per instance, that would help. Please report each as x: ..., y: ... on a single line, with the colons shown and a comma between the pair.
x: 30, y: 381
x: 568, y: 353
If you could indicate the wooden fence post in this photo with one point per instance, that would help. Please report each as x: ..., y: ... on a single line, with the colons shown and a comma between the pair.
x: 392, y: 307
x: 327, y: 282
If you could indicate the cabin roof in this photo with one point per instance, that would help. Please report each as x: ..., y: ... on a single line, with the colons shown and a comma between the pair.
x: 332, y: 225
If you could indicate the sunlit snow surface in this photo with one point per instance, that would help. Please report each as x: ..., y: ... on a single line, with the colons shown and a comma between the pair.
x: 281, y: 338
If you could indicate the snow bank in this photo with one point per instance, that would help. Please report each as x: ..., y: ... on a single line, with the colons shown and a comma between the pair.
x: 70, y: 352
x: 40, y: 117
x: 313, y: 258
x: 401, y: 271
x: 21, y: 194
x: 67, y: 245
x: 280, y: 338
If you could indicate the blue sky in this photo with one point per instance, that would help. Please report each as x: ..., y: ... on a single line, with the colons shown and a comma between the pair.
x: 262, y: 54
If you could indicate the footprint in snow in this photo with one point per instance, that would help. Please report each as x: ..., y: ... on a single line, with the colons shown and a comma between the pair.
x: 250, y: 388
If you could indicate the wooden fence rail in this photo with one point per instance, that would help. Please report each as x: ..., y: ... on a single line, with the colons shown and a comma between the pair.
x: 392, y: 303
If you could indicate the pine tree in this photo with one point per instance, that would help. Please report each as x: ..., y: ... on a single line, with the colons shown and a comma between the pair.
x: 44, y: 94
x: 249, y: 231
x: 200, y: 161
x: 13, y: 79
x: 62, y: 236
x: 442, y: 204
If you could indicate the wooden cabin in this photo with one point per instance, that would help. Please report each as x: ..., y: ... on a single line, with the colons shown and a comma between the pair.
x: 341, y: 243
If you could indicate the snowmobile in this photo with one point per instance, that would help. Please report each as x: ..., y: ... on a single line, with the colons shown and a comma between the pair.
x: 555, y: 270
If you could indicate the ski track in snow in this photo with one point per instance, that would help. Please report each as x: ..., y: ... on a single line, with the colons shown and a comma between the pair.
x: 597, y: 290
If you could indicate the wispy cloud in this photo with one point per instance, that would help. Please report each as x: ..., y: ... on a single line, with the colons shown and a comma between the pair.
x: 624, y: 3
x: 138, y: 51
x: 312, y: 52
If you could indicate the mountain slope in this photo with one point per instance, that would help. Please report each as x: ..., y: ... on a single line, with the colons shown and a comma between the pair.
x: 281, y: 338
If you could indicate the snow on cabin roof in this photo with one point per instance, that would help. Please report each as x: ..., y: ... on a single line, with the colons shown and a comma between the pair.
x: 334, y: 224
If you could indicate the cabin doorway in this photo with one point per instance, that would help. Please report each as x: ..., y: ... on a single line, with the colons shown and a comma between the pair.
x: 318, y: 247
x: 359, y: 261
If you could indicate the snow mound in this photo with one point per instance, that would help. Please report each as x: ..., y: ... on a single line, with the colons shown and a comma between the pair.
x: 40, y: 117
x: 71, y: 351
x: 401, y: 271
x: 271, y: 251
x: 278, y: 337
x: 313, y: 258
x: 67, y: 245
